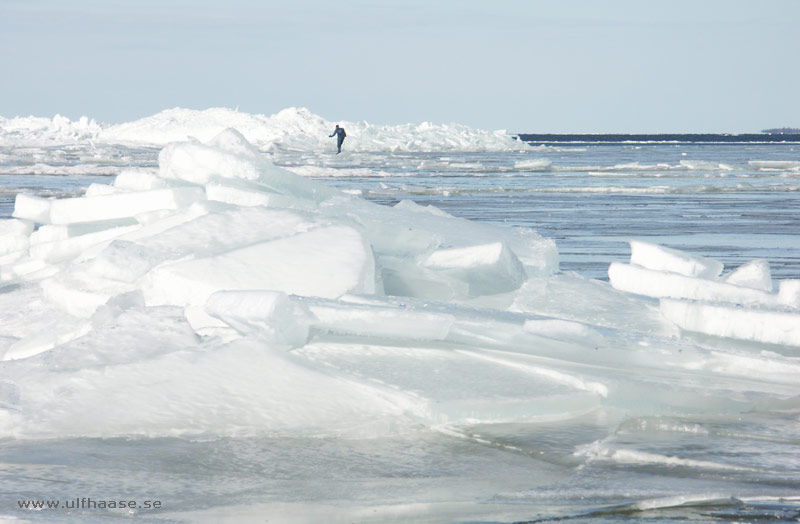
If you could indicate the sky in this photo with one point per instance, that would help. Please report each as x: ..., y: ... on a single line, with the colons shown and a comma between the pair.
x: 527, y: 66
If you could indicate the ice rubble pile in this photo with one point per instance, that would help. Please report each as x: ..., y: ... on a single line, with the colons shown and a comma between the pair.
x: 299, y: 129
x: 59, y: 129
x: 165, y: 303
x: 695, y: 295
x: 217, y: 216
x: 290, y: 129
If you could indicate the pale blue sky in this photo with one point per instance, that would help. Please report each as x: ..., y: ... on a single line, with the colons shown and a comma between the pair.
x: 521, y: 65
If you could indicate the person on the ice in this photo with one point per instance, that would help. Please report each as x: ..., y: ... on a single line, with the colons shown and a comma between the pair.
x: 340, y: 134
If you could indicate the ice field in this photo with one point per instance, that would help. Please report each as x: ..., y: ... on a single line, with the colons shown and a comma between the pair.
x: 213, y: 310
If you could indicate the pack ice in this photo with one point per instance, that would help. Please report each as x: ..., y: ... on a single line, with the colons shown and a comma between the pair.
x: 693, y: 295
x: 222, y: 295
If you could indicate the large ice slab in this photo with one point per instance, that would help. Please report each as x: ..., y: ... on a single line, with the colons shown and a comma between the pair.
x: 406, y: 277
x: 229, y: 156
x: 653, y: 283
x: 247, y: 193
x: 103, y: 207
x: 31, y: 324
x: 268, y: 315
x: 660, y: 258
x: 487, y: 269
x: 199, y: 163
x: 789, y: 293
x: 771, y: 327
x: 740, y: 305
x: 325, y: 262
x: 33, y: 208
x: 139, y: 180
x: 59, y: 232
x: 570, y: 296
x: 216, y: 228
x: 382, y: 321
x: 129, y: 366
x: 754, y: 274
x: 80, y: 293
x: 121, y: 205
x: 14, y: 235
x: 69, y: 247
x: 413, y: 231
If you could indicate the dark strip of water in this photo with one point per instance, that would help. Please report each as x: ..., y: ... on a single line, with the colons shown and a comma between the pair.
x: 677, y: 138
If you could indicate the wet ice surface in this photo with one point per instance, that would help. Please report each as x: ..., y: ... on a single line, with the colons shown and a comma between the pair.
x: 146, y: 360
x: 507, y: 473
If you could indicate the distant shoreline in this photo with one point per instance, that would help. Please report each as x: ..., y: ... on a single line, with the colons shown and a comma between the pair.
x: 665, y: 138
